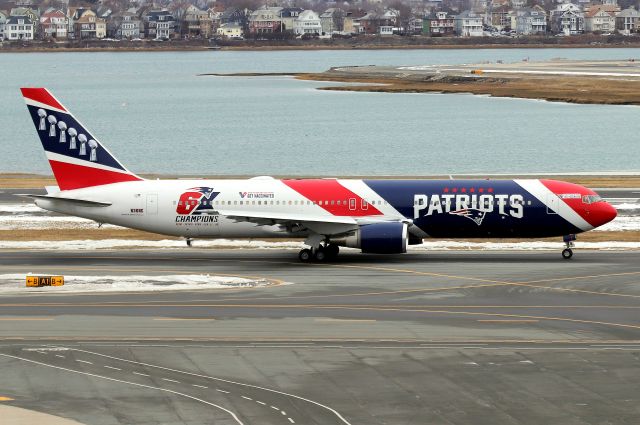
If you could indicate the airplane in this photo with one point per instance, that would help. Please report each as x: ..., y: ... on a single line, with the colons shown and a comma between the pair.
x: 375, y: 216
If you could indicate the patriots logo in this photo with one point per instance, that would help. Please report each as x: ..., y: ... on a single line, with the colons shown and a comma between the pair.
x: 472, y: 214
x: 196, y: 201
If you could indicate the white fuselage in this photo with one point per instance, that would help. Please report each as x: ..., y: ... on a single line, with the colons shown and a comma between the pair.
x: 153, y: 205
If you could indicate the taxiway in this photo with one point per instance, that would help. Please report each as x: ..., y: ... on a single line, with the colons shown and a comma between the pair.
x: 447, y: 337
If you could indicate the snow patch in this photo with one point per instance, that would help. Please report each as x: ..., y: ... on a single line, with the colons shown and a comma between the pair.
x: 125, y: 283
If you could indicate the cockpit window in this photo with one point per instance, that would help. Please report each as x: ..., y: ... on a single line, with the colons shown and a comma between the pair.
x: 591, y: 199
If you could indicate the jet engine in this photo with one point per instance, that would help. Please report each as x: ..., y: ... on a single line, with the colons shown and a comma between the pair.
x: 377, y: 238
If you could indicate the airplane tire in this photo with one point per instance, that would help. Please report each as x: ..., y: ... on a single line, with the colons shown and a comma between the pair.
x: 320, y: 255
x: 567, y: 253
x: 332, y: 250
x: 305, y: 255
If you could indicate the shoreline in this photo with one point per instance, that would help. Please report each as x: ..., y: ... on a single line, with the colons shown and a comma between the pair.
x: 265, y: 48
x: 622, y: 180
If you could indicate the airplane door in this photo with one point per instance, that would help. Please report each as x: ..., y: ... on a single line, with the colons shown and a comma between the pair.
x: 152, y: 204
x: 553, y: 204
x: 352, y: 204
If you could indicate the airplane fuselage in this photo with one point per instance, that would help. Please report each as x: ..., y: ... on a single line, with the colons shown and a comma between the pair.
x: 434, y: 208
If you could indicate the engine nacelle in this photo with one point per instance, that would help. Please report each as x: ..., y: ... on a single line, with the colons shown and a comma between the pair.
x: 377, y: 238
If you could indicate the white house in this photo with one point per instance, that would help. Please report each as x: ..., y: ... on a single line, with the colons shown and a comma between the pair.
x: 469, y: 24
x: 230, y: 30
x: 19, y: 28
x: 568, y: 19
x: 601, y: 19
x: 308, y: 22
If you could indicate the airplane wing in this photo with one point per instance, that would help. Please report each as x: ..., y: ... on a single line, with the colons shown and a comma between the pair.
x: 324, y: 225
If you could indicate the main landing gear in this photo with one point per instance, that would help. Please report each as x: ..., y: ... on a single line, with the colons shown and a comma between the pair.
x: 319, y: 254
x: 567, y: 253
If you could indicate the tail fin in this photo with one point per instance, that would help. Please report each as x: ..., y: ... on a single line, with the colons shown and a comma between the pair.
x: 76, y: 157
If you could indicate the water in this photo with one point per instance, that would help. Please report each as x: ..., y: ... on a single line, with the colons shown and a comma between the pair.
x: 156, y: 115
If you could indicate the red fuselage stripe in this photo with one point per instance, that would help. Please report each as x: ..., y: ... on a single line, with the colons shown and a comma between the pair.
x: 329, y: 192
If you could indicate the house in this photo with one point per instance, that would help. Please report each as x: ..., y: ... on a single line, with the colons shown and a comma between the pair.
x: 3, y: 21
x: 32, y: 14
x: 308, y: 22
x: 233, y: 15
x: 531, y: 21
x: 197, y: 23
x: 159, y: 24
x: 215, y: 16
x: 19, y: 28
x: 438, y: 24
x: 348, y: 24
x: 332, y: 20
x: 468, y: 24
x: 288, y: 16
x: 125, y: 25
x: 567, y: 19
x: 368, y: 24
x: 54, y: 25
x: 501, y: 17
x: 231, y: 30
x: 599, y: 19
x: 414, y: 26
x: 385, y: 30
x: 89, y: 26
x: 265, y: 20
x: 628, y: 21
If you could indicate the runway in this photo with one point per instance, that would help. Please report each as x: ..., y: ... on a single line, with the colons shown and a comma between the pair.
x: 447, y: 337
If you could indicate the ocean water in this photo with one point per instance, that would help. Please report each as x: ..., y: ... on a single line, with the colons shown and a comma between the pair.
x: 157, y: 115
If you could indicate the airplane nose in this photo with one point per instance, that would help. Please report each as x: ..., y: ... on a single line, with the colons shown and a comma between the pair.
x: 602, y: 213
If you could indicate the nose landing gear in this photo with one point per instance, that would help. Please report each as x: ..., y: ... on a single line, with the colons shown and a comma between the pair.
x: 567, y: 253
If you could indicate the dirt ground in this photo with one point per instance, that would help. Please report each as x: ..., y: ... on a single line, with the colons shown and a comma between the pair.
x: 557, y: 89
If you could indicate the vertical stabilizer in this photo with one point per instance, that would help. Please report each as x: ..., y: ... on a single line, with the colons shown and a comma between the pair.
x: 76, y: 157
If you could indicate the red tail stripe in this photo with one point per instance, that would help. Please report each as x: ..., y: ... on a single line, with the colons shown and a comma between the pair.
x: 72, y: 176
x: 42, y: 96
x: 331, y: 190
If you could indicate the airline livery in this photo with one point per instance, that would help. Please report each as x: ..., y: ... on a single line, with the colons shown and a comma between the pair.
x: 376, y: 216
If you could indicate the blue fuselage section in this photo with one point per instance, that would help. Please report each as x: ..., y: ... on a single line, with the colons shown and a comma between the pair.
x: 472, y: 208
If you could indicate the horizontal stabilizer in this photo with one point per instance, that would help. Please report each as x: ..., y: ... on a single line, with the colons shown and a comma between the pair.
x: 82, y: 202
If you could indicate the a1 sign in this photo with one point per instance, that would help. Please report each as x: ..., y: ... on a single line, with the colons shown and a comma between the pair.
x: 40, y: 281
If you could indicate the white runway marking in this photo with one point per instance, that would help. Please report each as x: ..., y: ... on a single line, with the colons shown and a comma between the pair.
x: 199, y: 386
x: 291, y: 420
x: 261, y: 402
x: 58, y: 355
x: 111, y: 367
x: 222, y: 391
x: 233, y: 415
x: 274, y: 407
x: 170, y: 380
x: 246, y: 398
x: 83, y: 361
x: 333, y: 411
x: 141, y: 374
x: 283, y: 412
